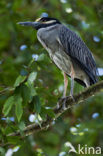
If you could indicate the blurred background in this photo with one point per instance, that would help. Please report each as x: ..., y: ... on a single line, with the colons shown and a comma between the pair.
x: 28, y: 75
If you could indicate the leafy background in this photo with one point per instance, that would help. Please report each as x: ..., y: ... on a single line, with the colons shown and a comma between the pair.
x: 30, y: 84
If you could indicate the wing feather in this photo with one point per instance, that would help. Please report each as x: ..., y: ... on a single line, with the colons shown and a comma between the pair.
x: 78, y: 51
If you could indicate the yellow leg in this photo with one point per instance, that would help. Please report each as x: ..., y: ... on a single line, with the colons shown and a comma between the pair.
x: 65, y: 84
x: 72, y: 74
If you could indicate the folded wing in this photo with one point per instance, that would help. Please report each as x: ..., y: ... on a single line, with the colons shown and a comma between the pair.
x: 79, y: 52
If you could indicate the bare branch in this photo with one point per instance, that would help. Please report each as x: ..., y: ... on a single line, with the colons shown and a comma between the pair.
x: 68, y: 102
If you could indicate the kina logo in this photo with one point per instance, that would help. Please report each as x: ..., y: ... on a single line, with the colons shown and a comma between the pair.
x: 83, y: 149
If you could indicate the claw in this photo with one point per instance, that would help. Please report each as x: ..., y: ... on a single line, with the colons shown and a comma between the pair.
x: 72, y: 97
x: 61, y: 103
x: 64, y: 105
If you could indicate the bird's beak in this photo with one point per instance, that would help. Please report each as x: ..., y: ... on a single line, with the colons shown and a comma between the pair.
x: 32, y: 24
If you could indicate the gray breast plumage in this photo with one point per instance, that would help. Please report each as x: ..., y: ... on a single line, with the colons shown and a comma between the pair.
x: 48, y: 37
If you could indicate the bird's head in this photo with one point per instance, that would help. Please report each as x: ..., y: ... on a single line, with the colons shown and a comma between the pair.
x: 41, y: 22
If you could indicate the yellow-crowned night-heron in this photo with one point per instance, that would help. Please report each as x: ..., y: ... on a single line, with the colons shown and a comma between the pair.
x: 67, y: 51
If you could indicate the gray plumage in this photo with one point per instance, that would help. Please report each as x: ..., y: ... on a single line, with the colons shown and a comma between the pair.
x: 64, y: 48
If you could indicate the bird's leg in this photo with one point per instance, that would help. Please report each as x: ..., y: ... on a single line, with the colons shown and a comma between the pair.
x: 72, y: 82
x: 72, y: 87
x: 65, y: 89
x: 65, y: 84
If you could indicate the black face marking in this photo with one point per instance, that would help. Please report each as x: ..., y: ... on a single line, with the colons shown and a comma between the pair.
x: 46, y: 22
x: 47, y: 19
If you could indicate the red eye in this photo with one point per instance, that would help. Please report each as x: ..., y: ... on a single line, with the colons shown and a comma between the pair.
x: 43, y: 20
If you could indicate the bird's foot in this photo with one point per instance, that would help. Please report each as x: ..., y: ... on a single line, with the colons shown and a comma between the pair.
x: 64, y: 99
x: 71, y: 95
x: 58, y: 105
x: 61, y: 102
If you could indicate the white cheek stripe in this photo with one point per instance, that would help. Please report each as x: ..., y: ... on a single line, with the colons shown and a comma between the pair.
x: 48, y: 22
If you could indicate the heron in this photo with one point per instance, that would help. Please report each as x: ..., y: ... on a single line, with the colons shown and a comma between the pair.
x: 67, y: 50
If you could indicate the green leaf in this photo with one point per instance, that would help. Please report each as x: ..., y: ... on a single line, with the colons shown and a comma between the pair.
x: 26, y: 93
x: 41, y: 57
x: 19, y: 80
x: 32, y: 77
x: 37, y: 104
x: 19, y: 109
x: 8, y: 105
x: 32, y: 90
x: 21, y: 126
x: 2, y: 151
x: 14, y: 140
x: 50, y: 113
x: 47, y: 111
x: 43, y: 113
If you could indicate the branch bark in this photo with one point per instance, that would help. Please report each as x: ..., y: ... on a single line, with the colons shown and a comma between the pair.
x: 58, y: 110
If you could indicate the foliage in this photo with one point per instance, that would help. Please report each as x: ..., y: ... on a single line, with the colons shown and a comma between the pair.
x: 30, y: 84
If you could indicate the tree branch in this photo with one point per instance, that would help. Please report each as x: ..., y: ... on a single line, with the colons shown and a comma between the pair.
x: 58, y: 110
